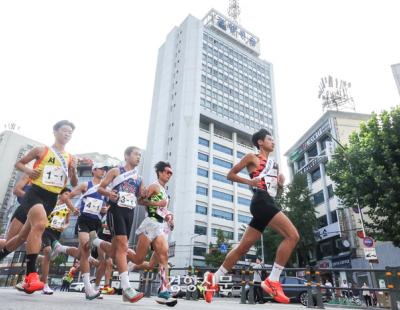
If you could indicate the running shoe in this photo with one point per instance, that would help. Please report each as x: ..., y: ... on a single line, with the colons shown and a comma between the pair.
x: 32, y: 283
x: 274, y: 289
x: 131, y: 295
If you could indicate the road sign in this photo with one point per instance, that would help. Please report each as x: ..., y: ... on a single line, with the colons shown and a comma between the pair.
x: 368, y: 242
x: 370, y: 254
x: 223, y: 248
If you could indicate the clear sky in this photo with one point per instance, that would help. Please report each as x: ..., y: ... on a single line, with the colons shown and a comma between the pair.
x: 94, y: 62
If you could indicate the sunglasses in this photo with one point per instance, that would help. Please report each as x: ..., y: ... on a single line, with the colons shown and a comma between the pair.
x: 169, y: 172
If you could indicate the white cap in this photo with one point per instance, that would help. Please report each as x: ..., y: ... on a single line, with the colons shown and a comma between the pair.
x: 98, y: 165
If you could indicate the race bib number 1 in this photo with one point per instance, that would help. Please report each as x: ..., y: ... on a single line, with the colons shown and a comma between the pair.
x: 127, y: 200
x: 53, y: 176
x: 92, y: 205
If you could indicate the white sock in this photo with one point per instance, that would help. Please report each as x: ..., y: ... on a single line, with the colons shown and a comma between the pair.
x: 96, y: 242
x: 63, y: 249
x: 124, y: 280
x: 220, y: 272
x: 275, y: 272
x: 86, y: 282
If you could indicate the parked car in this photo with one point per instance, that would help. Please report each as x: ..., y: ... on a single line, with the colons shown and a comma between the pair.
x: 235, y: 291
x: 77, y: 287
x: 296, y: 289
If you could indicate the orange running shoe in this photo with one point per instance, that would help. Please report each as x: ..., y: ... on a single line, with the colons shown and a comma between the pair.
x: 274, y: 289
x: 210, y: 286
x: 32, y: 283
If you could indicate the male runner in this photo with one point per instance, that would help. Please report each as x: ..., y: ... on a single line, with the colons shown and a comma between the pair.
x: 265, y: 181
x: 58, y: 221
x: 151, y: 230
x: 51, y: 171
x: 19, y: 217
x: 91, y: 202
x: 126, y: 186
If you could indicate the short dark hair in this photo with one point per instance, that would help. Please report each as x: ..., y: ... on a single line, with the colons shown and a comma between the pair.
x: 259, y: 135
x: 130, y: 149
x: 59, y: 124
x: 64, y: 190
x: 160, y: 166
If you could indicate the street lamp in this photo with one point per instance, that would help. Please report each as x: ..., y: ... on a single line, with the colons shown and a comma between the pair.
x: 191, y: 249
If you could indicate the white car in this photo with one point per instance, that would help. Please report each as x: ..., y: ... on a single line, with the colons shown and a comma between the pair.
x: 77, y: 287
x: 235, y: 291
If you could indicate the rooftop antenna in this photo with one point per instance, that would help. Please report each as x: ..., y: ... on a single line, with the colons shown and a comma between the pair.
x: 335, y: 94
x: 234, y: 10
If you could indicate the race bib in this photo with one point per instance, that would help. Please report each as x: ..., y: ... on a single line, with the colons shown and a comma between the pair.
x: 127, y: 200
x: 163, y: 212
x: 53, y: 176
x: 271, y: 181
x: 92, y: 205
x: 57, y: 222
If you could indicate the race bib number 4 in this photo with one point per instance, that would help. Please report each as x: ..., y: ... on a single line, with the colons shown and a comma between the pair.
x: 57, y: 222
x: 92, y: 205
x: 53, y: 176
x: 127, y: 200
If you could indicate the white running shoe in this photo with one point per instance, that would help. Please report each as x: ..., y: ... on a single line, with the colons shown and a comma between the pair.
x: 47, y: 290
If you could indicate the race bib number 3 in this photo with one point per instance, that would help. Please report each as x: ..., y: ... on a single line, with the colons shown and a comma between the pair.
x: 92, y: 205
x: 127, y: 200
x: 53, y: 176
x: 57, y: 222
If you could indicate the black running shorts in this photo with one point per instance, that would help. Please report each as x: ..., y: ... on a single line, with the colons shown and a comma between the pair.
x: 49, y: 236
x: 263, y: 209
x: 86, y: 224
x: 119, y: 220
x: 37, y: 195
x: 20, y: 214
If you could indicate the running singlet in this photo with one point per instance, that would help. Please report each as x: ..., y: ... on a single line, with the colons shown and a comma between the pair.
x: 267, y: 170
x: 128, y: 189
x: 156, y: 212
x: 57, y: 218
x: 92, y: 203
x: 53, y: 170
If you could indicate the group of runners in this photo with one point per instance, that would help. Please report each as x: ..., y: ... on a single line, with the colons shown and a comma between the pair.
x: 105, y: 210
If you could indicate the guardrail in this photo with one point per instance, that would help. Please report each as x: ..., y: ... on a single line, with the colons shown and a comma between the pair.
x: 245, y: 279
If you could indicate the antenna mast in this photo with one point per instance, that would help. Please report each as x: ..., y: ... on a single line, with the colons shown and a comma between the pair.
x: 234, y: 10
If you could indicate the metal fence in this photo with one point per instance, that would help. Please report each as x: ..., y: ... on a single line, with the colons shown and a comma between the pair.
x: 244, y: 277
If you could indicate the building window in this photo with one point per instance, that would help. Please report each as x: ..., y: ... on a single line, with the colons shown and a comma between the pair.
x: 198, y: 251
x: 240, y: 154
x: 316, y: 175
x: 204, y: 142
x: 301, y: 163
x: 222, y: 195
x: 318, y: 198
x: 221, y: 178
x: 241, y: 185
x: 227, y: 234
x: 334, y: 216
x: 322, y: 221
x: 202, y: 191
x: 201, y: 210
x: 202, y: 156
x: 201, y: 230
x: 202, y: 172
x: 330, y: 191
x: 313, y: 151
x: 244, y: 201
x: 244, y: 218
x: 323, y: 142
x: 222, y: 163
x: 222, y: 214
x: 223, y: 149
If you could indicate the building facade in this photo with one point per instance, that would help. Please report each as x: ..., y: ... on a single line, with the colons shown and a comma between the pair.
x: 396, y: 75
x: 212, y: 92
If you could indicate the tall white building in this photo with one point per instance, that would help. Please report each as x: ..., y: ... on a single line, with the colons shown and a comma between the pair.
x: 212, y: 92
x: 396, y: 74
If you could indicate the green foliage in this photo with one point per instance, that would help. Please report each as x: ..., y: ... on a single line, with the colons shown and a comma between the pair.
x: 215, y: 258
x: 60, y: 260
x: 368, y: 169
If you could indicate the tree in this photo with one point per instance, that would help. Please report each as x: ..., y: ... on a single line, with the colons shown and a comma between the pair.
x: 368, y: 170
x: 215, y: 258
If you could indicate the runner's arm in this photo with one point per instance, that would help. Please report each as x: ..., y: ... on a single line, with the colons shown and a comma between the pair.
x: 73, y: 174
x: 78, y: 190
x: 19, y: 187
x: 110, y: 176
x: 233, y: 174
x: 67, y: 221
x: 35, y: 153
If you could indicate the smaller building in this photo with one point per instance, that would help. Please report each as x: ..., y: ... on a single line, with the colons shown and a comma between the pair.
x: 396, y: 75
